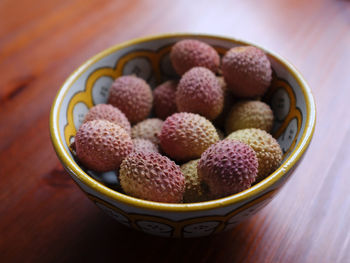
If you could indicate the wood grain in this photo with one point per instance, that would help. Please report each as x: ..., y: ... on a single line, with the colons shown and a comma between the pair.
x: 44, y: 217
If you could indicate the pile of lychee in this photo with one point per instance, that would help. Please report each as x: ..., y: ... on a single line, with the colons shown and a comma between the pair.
x: 212, y: 94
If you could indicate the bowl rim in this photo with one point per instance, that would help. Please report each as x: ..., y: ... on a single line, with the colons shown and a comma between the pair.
x: 76, y: 171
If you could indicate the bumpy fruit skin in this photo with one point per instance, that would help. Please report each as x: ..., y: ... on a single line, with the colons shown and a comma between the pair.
x: 185, y: 136
x: 164, y: 99
x: 148, y: 129
x: 133, y: 96
x: 249, y: 114
x: 108, y: 113
x: 228, y: 167
x: 153, y: 177
x: 199, y: 91
x: 142, y: 145
x: 102, y: 145
x: 190, y: 53
x: 194, y: 191
x: 266, y: 147
x: 247, y: 71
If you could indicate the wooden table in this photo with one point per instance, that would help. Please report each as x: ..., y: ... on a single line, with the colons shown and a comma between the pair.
x: 44, y: 217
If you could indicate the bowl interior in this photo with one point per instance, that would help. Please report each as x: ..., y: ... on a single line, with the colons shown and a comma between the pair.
x: 148, y: 58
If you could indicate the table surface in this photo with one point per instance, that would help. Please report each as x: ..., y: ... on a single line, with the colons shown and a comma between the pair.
x: 44, y: 217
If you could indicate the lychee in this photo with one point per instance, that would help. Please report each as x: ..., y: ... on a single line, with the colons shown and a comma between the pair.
x: 247, y: 71
x: 102, y: 145
x: 228, y: 167
x: 199, y: 91
x: 142, y: 145
x: 148, y: 129
x: 153, y: 177
x: 266, y: 147
x: 249, y: 114
x: 133, y: 96
x: 185, y: 136
x: 190, y: 53
x: 194, y: 191
x: 164, y: 99
x: 109, y: 113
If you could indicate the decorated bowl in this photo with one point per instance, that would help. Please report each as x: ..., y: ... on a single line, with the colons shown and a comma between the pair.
x: 148, y: 58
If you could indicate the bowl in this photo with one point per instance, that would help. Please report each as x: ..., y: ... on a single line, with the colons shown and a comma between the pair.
x: 289, y: 96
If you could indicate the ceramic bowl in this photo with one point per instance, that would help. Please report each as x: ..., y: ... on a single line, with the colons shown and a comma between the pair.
x: 289, y: 96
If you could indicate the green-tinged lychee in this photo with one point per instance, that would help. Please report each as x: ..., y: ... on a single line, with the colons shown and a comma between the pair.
x: 200, y: 92
x: 249, y: 114
x: 142, y: 145
x: 102, y: 145
x: 164, y: 99
x: 148, y: 129
x: 190, y: 53
x: 133, y: 96
x: 194, y: 191
x: 247, y: 71
x: 109, y: 113
x: 185, y: 136
x: 267, y: 149
x: 151, y: 176
x: 228, y: 167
